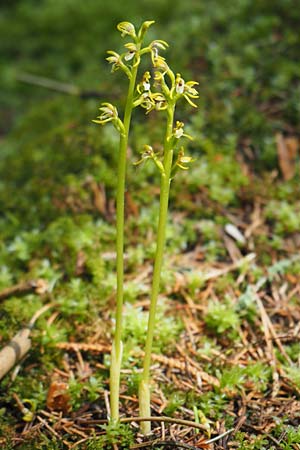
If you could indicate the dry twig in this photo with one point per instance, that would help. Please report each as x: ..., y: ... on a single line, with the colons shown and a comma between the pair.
x: 20, y: 344
x: 25, y: 287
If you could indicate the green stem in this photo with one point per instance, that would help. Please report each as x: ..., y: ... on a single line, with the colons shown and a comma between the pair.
x: 116, y: 355
x: 144, y: 392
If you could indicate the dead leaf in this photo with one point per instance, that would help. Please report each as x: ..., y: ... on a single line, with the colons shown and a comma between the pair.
x: 41, y: 286
x: 131, y: 206
x: 231, y: 247
x: 14, y: 351
x: 80, y: 263
x: 58, y: 398
x: 235, y: 233
x: 287, y: 149
x: 99, y: 196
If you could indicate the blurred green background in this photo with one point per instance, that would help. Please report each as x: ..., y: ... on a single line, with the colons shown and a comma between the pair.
x: 244, y: 54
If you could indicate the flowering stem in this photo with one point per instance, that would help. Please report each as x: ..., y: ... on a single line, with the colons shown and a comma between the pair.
x: 116, y: 354
x: 144, y: 389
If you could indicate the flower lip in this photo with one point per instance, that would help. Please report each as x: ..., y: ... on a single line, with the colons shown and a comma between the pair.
x: 146, y: 86
x: 129, y: 56
x: 180, y: 84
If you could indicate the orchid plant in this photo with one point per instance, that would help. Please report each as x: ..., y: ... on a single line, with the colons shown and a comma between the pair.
x: 160, y: 95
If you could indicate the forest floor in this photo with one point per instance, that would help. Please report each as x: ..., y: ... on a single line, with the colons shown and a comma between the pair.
x: 226, y: 353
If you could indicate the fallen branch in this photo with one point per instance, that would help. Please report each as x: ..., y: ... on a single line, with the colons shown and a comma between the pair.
x: 58, y: 86
x: 175, y: 444
x: 14, y: 351
x: 188, y: 423
x: 20, y: 344
x: 172, y: 363
x: 216, y: 273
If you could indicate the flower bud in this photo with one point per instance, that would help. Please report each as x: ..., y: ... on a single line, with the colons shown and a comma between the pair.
x: 144, y: 28
x: 126, y: 28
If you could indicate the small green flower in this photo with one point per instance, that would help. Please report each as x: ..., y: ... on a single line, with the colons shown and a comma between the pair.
x: 186, y: 89
x: 155, y: 46
x: 182, y: 160
x: 109, y: 113
x: 115, y: 60
x: 126, y: 28
x: 158, y: 78
x: 160, y: 63
x: 160, y: 102
x: 178, y: 131
x: 148, y: 153
x: 190, y: 90
x: 144, y: 85
x: 145, y: 101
